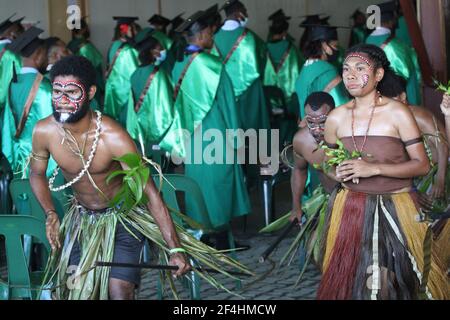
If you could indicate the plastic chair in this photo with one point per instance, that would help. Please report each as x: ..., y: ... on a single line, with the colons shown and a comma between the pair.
x: 25, y: 203
x: 20, y: 279
x: 6, y: 176
x: 199, y: 213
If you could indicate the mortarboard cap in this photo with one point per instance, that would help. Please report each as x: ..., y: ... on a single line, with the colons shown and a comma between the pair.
x: 231, y: 5
x: 27, y: 42
x: 212, y: 10
x: 125, y: 20
x: 315, y: 19
x: 157, y: 19
x: 323, y: 32
x: 388, y: 10
x: 278, y: 15
x: 146, y: 43
x: 195, y: 23
x: 177, y: 21
x: 6, y: 23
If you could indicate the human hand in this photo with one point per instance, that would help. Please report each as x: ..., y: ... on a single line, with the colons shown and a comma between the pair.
x: 296, y: 214
x: 437, y: 191
x: 179, y: 260
x: 445, y: 105
x: 354, y: 169
x: 52, y: 230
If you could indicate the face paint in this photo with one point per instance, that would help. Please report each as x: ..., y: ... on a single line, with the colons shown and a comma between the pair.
x: 69, y: 107
x: 365, y: 80
x: 360, y: 56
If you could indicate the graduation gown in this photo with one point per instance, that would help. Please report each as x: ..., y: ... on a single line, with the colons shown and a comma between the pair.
x: 155, y: 114
x: 118, y: 84
x: 8, y: 61
x: 404, y: 62
x: 86, y: 49
x: 282, y: 69
x: 17, y: 149
x: 402, y: 31
x: 246, y: 67
x: 320, y: 76
x: 206, y: 97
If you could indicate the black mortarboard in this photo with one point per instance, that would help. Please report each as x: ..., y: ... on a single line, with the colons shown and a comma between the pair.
x: 125, y: 20
x: 159, y: 20
x: 278, y: 15
x: 322, y: 32
x: 231, y: 5
x: 314, y: 19
x: 212, y: 10
x: 177, y: 21
x: 388, y: 10
x: 27, y: 42
x: 6, y: 23
x: 195, y: 23
x: 146, y: 43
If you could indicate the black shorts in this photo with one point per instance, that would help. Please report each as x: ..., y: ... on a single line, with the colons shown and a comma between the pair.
x: 127, y: 249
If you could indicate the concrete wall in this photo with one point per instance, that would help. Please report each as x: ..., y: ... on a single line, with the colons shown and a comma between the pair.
x: 101, y: 12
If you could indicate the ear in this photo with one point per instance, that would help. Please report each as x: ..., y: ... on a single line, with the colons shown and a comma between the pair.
x: 92, y: 92
x: 326, y: 48
x: 379, y: 74
x: 403, y: 97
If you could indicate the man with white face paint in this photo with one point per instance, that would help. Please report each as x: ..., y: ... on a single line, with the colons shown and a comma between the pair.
x: 29, y: 100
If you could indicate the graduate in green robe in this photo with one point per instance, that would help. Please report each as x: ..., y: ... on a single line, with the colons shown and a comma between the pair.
x: 402, y: 57
x: 29, y: 101
x: 9, y: 30
x: 150, y: 106
x: 282, y: 70
x: 204, y: 101
x: 244, y: 55
x: 358, y: 33
x: 56, y: 50
x: 82, y: 46
x: 158, y: 29
x: 318, y: 74
x: 122, y: 62
x: 309, y: 21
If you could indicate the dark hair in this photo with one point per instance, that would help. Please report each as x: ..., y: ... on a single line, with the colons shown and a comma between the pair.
x: 317, y: 99
x: 393, y: 85
x: 279, y: 26
x: 145, y: 50
x: 379, y: 60
x: 76, y: 66
x: 50, y: 42
x: 235, y: 7
x: 313, y: 49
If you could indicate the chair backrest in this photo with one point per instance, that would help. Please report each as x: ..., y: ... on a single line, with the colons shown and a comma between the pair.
x: 193, y: 194
x: 26, y: 203
x: 13, y: 227
x: 6, y: 176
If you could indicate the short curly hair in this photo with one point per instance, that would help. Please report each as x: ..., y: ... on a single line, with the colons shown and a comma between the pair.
x: 76, y: 66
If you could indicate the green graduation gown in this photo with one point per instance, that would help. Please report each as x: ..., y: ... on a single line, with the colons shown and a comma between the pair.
x: 118, y: 83
x: 402, y: 31
x: 206, y: 97
x: 7, y: 63
x: 320, y: 76
x: 246, y: 68
x: 404, y: 62
x: 282, y: 70
x: 155, y: 114
x: 86, y: 49
x: 17, y: 150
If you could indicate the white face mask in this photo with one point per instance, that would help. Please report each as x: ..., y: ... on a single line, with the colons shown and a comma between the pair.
x: 244, y: 22
x: 162, y: 57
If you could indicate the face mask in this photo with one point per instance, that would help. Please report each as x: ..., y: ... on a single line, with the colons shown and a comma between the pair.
x: 244, y: 22
x: 162, y: 57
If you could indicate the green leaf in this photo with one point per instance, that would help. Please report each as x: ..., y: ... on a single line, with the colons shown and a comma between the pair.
x: 131, y: 159
x: 115, y: 174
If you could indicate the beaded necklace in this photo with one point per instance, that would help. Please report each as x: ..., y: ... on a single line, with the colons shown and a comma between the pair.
x: 86, y: 165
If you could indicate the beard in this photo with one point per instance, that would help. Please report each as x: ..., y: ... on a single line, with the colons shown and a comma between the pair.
x: 65, y: 117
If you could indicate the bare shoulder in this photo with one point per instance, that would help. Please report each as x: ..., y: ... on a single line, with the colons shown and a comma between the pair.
x: 115, y: 136
x: 300, y: 136
x: 341, y: 112
x: 395, y: 107
x: 45, y: 127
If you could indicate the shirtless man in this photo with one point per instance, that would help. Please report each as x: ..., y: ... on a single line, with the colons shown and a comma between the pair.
x: 74, y: 130
x: 306, y: 149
